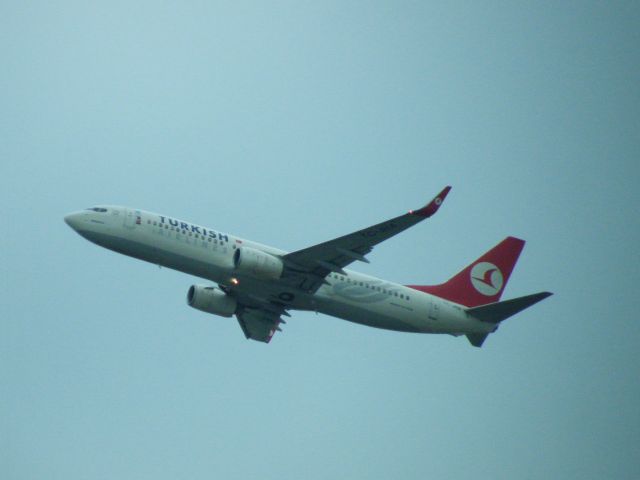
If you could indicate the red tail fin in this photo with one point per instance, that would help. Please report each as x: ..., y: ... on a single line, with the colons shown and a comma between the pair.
x: 484, y: 280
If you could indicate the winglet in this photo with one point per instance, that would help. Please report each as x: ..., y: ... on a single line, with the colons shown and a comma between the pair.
x: 433, y: 206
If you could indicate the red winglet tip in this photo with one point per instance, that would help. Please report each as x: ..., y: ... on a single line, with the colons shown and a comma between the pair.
x: 434, y: 205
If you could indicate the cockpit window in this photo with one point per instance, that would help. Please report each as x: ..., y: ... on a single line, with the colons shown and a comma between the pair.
x: 97, y: 209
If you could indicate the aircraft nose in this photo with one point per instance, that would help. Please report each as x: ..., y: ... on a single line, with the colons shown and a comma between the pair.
x: 73, y: 220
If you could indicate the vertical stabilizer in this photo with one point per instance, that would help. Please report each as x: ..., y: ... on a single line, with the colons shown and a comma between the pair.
x: 484, y: 280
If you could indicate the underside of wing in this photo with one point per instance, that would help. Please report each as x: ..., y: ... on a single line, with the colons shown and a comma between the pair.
x: 258, y: 324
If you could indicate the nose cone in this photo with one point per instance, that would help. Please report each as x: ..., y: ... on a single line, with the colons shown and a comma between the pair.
x: 73, y: 220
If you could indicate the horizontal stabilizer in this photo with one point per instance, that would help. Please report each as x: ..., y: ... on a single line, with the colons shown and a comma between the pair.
x: 499, y: 311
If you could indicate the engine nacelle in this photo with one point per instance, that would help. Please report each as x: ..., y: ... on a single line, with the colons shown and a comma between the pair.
x: 211, y: 300
x: 257, y: 263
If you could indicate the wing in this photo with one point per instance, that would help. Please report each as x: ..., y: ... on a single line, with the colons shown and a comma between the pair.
x: 307, y: 268
x: 258, y: 316
x: 259, y: 324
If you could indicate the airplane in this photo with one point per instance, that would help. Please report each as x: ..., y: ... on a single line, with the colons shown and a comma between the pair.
x: 261, y: 284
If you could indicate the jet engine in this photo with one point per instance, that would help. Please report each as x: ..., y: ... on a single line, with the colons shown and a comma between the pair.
x: 257, y: 263
x: 211, y: 300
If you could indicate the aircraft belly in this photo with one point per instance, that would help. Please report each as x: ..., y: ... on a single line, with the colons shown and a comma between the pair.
x: 272, y: 291
x: 187, y: 260
x: 365, y: 315
x: 123, y: 245
x: 191, y: 265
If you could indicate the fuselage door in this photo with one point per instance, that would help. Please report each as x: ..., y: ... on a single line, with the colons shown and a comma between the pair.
x: 132, y: 218
x: 434, y: 309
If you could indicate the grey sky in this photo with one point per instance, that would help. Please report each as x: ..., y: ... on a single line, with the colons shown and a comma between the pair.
x: 289, y: 124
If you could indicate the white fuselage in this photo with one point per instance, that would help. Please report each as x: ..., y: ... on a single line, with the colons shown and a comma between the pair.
x: 208, y: 254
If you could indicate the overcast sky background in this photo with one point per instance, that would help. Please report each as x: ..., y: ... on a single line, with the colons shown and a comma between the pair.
x: 290, y: 124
